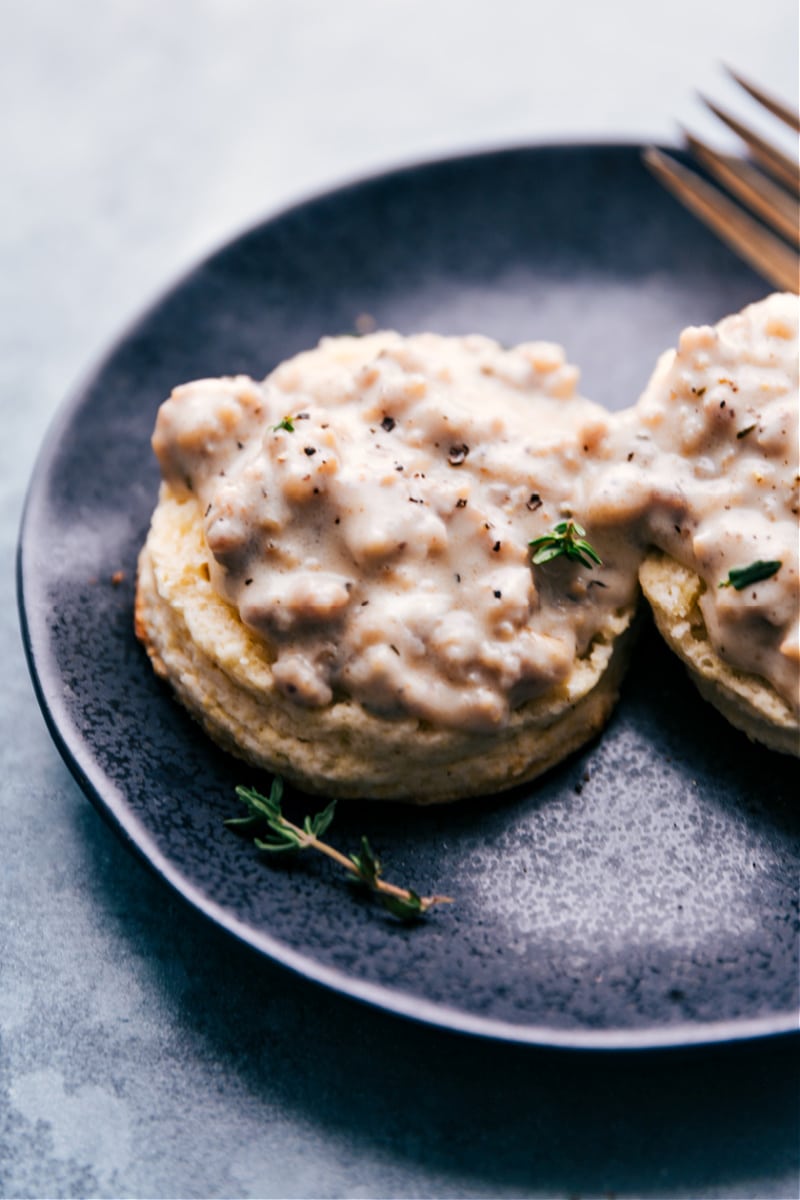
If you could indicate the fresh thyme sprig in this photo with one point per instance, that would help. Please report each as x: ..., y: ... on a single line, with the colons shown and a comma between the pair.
x: 279, y: 835
x: 567, y: 538
x: 742, y: 577
x: 286, y: 423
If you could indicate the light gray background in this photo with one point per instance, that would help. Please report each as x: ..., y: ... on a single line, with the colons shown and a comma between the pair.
x: 141, y: 1054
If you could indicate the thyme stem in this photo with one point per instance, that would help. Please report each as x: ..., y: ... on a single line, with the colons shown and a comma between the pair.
x: 285, y: 835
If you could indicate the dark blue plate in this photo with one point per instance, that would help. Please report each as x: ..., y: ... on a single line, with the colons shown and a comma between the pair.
x: 642, y: 894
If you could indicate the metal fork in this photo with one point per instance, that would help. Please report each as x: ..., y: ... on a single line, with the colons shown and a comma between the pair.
x: 768, y: 183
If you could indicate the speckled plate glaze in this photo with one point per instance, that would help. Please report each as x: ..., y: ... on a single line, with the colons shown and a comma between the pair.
x: 644, y: 893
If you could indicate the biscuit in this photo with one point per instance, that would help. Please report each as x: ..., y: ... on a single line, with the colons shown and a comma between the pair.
x: 337, y: 582
x: 702, y: 476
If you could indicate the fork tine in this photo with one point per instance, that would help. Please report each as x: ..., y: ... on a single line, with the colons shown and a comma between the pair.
x: 765, y: 198
x: 775, y: 161
x: 771, y: 257
x: 784, y: 111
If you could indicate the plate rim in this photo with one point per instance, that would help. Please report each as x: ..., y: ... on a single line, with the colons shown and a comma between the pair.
x: 111, y: 805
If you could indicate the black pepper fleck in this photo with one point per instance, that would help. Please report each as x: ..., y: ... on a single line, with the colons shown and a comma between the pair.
x: 310, y: 451
x: 534, y: 502
x: 388, y: 424
x: 457, y: 454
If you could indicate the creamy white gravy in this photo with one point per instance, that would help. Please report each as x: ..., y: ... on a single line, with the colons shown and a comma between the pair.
x: 368, y: 509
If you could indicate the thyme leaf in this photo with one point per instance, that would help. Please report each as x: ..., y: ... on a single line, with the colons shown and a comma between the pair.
x: 286, y: 423
x: 567, y: 539
x: 742, y: 577
x: 407, y: 909
x: 367, y: 865
x: 274, y: 833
